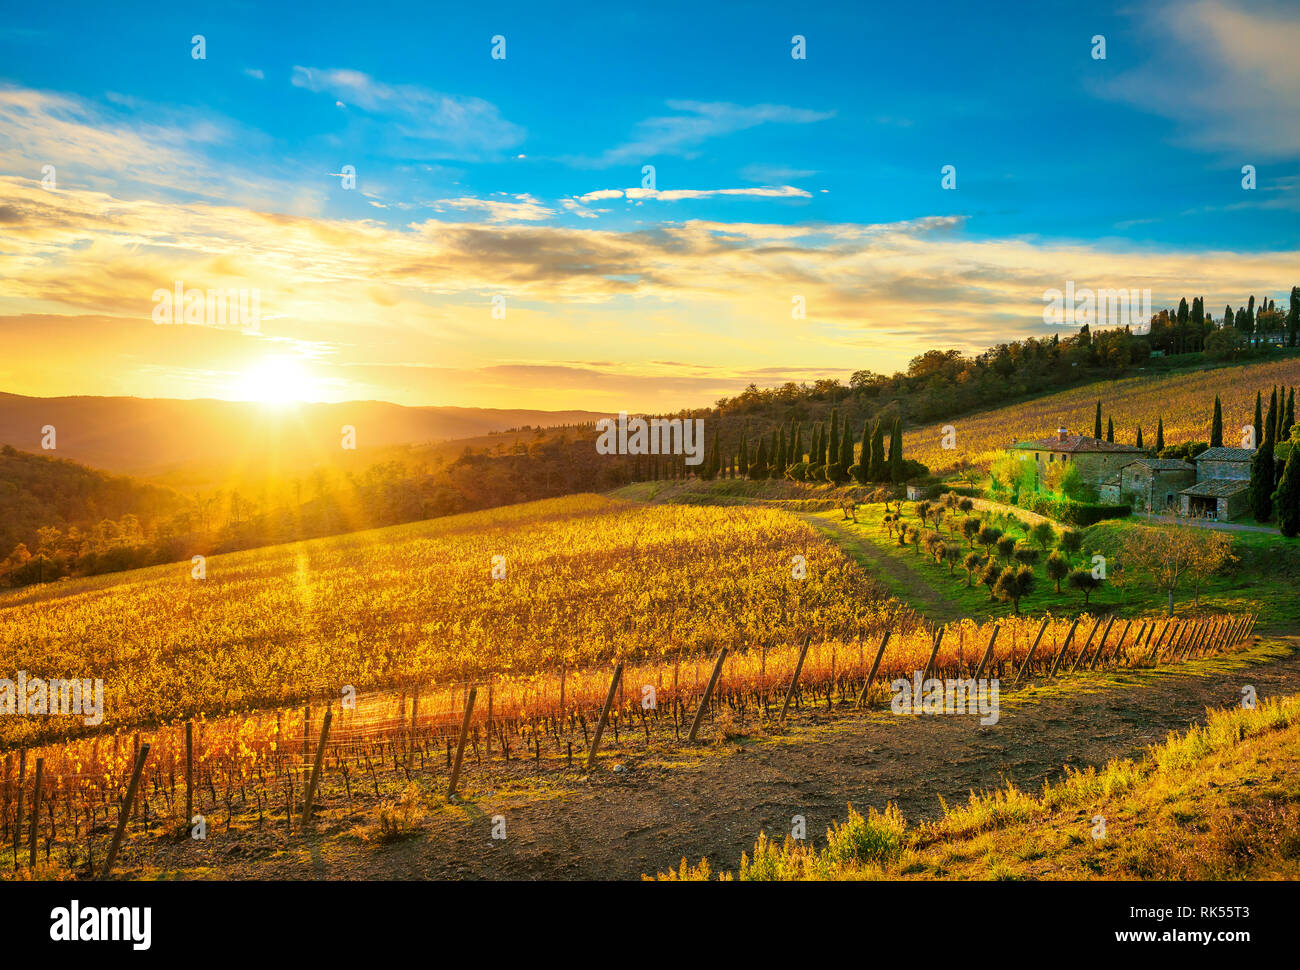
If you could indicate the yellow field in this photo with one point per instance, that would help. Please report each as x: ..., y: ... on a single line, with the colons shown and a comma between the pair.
x: 1185, y: 401
x: 587, y: 579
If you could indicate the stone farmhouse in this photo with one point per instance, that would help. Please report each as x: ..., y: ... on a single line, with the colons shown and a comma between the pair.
x: 1149, y: 484
x: 1098, y: 461
x: 1222, y: 489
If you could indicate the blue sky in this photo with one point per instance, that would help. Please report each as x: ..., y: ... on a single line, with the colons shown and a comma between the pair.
x: 1139, y: 153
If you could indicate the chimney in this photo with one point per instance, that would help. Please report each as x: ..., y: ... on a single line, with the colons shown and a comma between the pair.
x: 1060, y: 434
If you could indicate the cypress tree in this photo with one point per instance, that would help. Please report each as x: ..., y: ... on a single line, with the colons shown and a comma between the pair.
x: 1288, y: 419
x: 1096, y: 424
x: 1288, y: 495
x: 864, y: 459
x: 833, y: 445
x: 1139, y: 441
x: 823, y: 455
x: 742, y: 458
x: 1110, y: 430
x: 1261, y: 471
x: 846, y: 453
x: 879, y: 470
x: 798, y: 444
x: 1160, y: 436
x: 896, y: 452
x: 1259, y: 421
x: 1216, y: 429
x: 759, y: 468
x: 778, y: 470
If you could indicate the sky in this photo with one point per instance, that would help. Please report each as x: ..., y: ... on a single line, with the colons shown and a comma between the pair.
x: 450, y: 204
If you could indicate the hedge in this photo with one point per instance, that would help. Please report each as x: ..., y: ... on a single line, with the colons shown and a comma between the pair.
x: 1074, y: 513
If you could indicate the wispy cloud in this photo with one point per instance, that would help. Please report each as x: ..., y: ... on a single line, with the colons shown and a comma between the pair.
x: 418, y: 122
x: 1227, y: 73
x: 694, y: 123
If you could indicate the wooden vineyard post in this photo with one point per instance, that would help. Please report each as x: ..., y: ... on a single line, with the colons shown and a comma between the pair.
x: 415, y: 713
x: 708, y: 694
x: 1087, y: 644
x: 18, y: 815
x: 929, y: 664
x: 1096, y: 658
x: 604, y: 715
x: 189, y: 773
x: 316, y: 766
x: 988, y: 652
x: 1030, y: 656
x: 1101, y: 644
x: 36, y: 813
x: 1154, y: 650
x: 1173, y: 638
x: 1210, y: 638
x: 1195, y: 640
x: 126, y: 811
x: 875, y: 666
x: 1064, y: 647
x: 1233, y: 631
x: 460, y: 745
x: 489, y: 719
x: 794, y: 681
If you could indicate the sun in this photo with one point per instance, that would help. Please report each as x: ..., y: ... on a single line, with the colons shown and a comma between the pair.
x: 279, y: 381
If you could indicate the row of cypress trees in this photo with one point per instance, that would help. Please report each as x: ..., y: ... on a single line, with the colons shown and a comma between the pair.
x: 829, y: 455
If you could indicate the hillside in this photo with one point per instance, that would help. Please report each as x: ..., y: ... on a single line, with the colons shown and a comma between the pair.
x: 145, y: 436
x: 38, y: 491
x: 1184, y: 400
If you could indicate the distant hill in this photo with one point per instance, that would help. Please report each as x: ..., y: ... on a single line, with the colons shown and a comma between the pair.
x: 38, y: 491
x: 146, y: 436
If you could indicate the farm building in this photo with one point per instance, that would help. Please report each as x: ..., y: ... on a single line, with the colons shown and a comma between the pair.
x: 1222, y: 489
x: 1097, y: 460
x: 1150, y: 484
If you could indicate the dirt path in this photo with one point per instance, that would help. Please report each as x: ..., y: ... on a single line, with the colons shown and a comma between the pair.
x: 645, y: 819
x: 902, y: 580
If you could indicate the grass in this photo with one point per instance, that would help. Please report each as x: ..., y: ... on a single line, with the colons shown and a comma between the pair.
x: 1216, y: 802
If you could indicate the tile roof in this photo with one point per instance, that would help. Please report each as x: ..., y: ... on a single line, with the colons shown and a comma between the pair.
x: 1217, y: 487
x: 1226, y: 454
x: 1077, y: 443
x: 1165, y: 464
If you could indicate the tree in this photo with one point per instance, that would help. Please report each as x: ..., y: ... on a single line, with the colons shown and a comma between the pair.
x: 759, y: 468
x: 1043, y: 534
x: 1026, y: 555
x: 1006, y: 547
x: 1110, y: 430
x: 1259, y: 420
x: 951, y: 555
x: 1160, y: 435
x: 1139, y: 437
x: 988, y: 537
x: 845, y: 461
x: 1288, y: 493
x: 1163, y: 553
x: 1058, y: 567
x: 1085, y: 582
x: 1096, y: 424
x: 1013, y: 584
x: 1071, y: 542
x: 923, y: 510
x: 990, y: 576
x: 1216, y: 429
x: 896, y: 452
x: 1208, y: 552
x: 1293, y: 318
x: 862, y: 470
x: 879, y: 468
x: 1262, y: 471
x: 970, y: 528
x: 970, y: 563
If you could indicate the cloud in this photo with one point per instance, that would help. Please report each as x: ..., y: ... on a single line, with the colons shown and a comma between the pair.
x: 713, y: 295
x: 255, y: 73
x: 416, y: 121
x: 696, y: 122
x: 525, y: 209
x: 677, y: 195
x: 1225, y: 73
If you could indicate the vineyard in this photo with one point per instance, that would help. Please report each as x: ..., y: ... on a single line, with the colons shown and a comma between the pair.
x: 271, y: 768
x: 1184, y: 401
x: 581, y: 581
